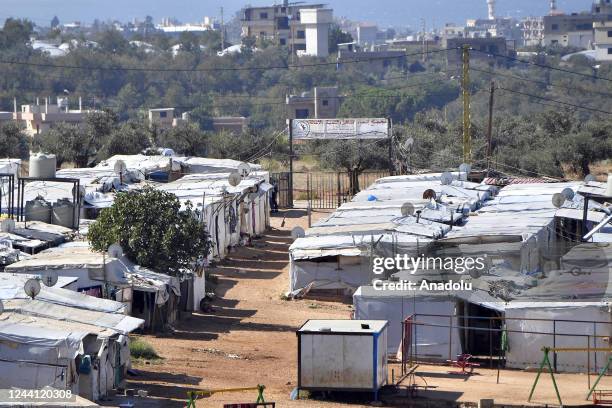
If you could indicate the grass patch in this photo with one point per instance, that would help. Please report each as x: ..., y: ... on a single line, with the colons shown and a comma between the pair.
x: 140, y: 349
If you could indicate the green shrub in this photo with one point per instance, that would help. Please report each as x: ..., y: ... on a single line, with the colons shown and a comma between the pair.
x: 141, y: 349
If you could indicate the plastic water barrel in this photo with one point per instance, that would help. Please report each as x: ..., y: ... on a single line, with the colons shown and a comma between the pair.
x: 42, y: 165
x: 63, y: 213
x: 38, y: 210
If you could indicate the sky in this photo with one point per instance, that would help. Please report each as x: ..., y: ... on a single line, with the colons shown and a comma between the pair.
x: 385, y: 13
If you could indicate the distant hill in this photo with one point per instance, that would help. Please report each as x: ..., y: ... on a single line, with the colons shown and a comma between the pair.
x: 382, y: 12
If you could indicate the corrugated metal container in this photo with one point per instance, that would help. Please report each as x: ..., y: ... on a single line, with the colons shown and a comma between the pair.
x: 342, y: 355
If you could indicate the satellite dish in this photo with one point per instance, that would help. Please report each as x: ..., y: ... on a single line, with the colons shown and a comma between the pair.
x: 298, y: 232
x: 589, y: 178
x: 568, y: 193
x: 429, y: 194
x: 50, y: 278
x: 446, y: 178
x: 120, y: 167
x: 407, y: 209
x: 115, y: 251
x: 244, y: 169
x: 234, y: 179
x: 32, y: 287
x: 558, y: 199
x: 408, y: 143
x: 465, y: 168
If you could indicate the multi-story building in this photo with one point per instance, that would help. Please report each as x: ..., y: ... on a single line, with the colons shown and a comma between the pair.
x: 603, y: 40
x: 38, y: 118
x: 533, y: 31
x: 320, y: 103
x: 283, y: 24
x: 575, y: 29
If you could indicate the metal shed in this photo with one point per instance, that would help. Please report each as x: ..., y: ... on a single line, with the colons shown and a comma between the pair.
x: 342, y: 355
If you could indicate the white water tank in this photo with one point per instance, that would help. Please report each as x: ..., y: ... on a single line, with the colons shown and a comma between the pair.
x: 42, y: 165
x: 38, y: 209
x: 63, y: 213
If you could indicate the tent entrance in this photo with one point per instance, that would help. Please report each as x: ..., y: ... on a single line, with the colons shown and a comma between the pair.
x: 480, y: 333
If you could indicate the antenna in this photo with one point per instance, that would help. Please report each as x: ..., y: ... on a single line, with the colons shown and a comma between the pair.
x: 115, y: 250
x: 244, y: 169
x: 234, y: 179
x: 407, y: 209
x: 50, y: 278
x: 446, y: 178
x: 558, y: 199
x: 32, y: 287
x: 298, y: 232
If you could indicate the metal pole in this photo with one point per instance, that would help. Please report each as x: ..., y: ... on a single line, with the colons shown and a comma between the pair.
x: 490, y: 345
x: 585, y: 211
x: 290, y: 163
x: 589, y: 361
x: 555, y: 344
x: 390, y: 129
x: 465, y: 84
x: 490, y: 125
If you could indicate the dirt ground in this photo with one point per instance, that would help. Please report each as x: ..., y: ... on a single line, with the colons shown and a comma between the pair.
x: 249, y: 338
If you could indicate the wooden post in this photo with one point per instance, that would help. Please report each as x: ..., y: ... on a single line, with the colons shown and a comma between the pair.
x: 490, y: 124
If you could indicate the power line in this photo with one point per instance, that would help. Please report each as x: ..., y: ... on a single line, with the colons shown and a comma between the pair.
x: 556, y: 101
x: 212, y: 69
x: 539, y: 82
x: 567, y: 71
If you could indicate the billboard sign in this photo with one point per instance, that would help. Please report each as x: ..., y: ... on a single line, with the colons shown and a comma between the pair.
x: 363, y: 128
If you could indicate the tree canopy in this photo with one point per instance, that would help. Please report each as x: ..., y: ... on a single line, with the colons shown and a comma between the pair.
x: 153, y: 230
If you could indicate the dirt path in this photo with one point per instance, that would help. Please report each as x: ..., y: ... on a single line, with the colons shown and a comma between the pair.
x: 249, y: 338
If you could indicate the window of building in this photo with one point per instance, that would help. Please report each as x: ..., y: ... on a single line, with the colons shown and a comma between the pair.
x: 163, y: 114
x: 301, y: 113
x: 282, y: 41
x: 300, y: 47
x: 554, y: 27
x: 584, y: 26
x: 262, y: 33
x: 325, y: 102
x: 263, y: 16
x: 609, y: 51
x: 301, y: 34
x: 609, y: 33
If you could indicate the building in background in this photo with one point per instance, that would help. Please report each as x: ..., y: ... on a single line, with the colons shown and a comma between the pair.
x: 164, y: 118
x: 533, y: 31
x: 283, y: 25
x: 576, y: 29
x: 603, y: 40
x: 320, y: 103
x: 316, y: 22
x: 483, y: 48
x: 367, y: 34
x: 38, y: 118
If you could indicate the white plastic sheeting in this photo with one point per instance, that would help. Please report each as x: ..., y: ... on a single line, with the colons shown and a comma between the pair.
x: 525, y: 349
x: 206, y: 165
x: 396, y: 306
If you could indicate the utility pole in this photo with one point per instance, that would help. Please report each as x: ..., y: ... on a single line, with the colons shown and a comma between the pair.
x: 490, y: 125
x: 222, y: 31
x: 424, y: 40
x: 465, y: 85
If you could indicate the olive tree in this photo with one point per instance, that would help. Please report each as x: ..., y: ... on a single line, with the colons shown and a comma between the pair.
x: 153, y: 230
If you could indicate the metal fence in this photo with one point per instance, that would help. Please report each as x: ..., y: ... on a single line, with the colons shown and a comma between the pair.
x: 329, y: 190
